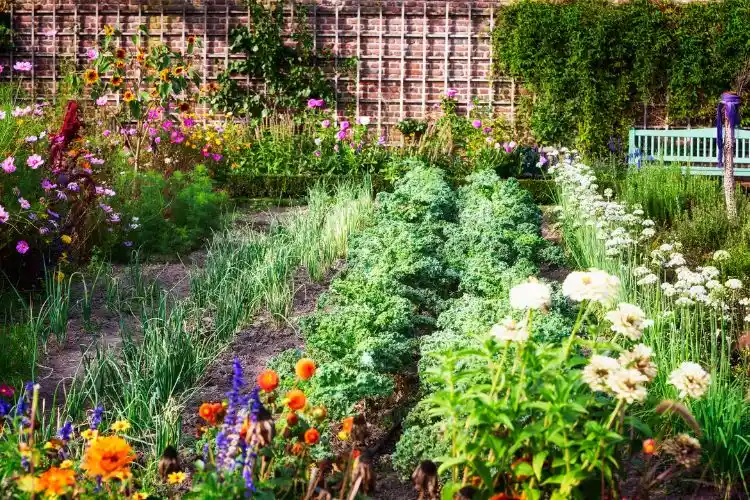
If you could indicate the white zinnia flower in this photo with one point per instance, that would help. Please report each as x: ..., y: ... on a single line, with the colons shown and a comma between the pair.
x: 629, y: 320
x: 640, y: 359
x: 594, y: 285
x: 627, y: 384
x: 510, y: 330
x: 598, y: 370
x: 733, y: 284
x: 721, y: 255
x: 531, y: 295
x: 690, y: 379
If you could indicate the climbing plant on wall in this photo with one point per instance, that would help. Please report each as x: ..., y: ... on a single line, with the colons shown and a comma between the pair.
x: 592, y: 63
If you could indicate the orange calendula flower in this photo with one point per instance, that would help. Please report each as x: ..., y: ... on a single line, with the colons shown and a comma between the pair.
x: 108, y: 457
x: 116, y: 81
x: 296, y: 399
x: 29, y: 484
x: 305, y: 368
x: 212, y: 412
x: 120, y: 53
x: 268, y: 380
x: 56, y: 481
x: 312, y: 436
x: 90, y: 76
x: 297, y: 448
x: 128, y: 96
x: 649, y: 446
x: 176, y: 478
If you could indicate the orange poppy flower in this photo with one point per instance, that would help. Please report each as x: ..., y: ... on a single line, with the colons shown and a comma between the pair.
x: 108, y: 457
x: 347, y: 424
x: 312, y: 436
x: 305, y: 368
x: 56, y: 481
x: 296, y: 399
x: 268, y: 380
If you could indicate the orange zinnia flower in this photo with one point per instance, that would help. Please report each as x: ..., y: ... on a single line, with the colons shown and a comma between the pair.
x: 297, y: 448
x: 211, y: 412
x: 305, y: 368
x: 108, y: 457
x: 312, y: 436
x: 268, y: 380
x: 649, y: 446
x: 348, y: 422
x: 55, y: 480
x: 296, y: 399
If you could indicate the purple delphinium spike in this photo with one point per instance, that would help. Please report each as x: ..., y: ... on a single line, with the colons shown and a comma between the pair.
x: 96, y: 417
x: 65, y: 432
x: 234, y: 396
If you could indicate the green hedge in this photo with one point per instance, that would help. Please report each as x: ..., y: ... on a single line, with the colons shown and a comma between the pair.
x: 592, y: 63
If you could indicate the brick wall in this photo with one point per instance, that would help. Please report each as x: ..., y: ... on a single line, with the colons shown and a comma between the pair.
x: 409, y: 51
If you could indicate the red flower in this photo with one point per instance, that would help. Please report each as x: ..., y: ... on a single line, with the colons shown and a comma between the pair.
x: 268, y: 380
x: 649, y: 446
x: 348, y: 422
x: 312, y: 436
x: 212, y: 412
x: 305, y: 368
x: 6, y: 390
x: 292, y: 419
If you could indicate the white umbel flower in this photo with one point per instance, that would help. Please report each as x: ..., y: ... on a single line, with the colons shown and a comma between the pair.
x: 510, y: 330
x: 690, y: 379
x: 629, y: 320
x: 530, y: 295
x: 594, y: 285
x: 649, y: 279
x: 627, y: 384
x: 733, y: 284
x: 598, y: 371
x: 721, y: 255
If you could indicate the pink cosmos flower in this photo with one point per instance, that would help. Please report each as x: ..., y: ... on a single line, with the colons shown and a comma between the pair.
x: 325, y: 123
x: 451, y: 93
x: 34, y: 161
x: 345, y: 125
x: 477, y: 123
x: 102, y: 101
x: 22, y: 247
x: 24, y: 203
x: 92, y: 54
x: 341, y: 135
x: 4, y: 216
x: 317, y: 153
x: 22, y: 66
x: 9, y: 165
x: 47, y: 185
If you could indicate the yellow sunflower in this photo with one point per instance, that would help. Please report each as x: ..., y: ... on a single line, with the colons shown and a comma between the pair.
x: 90, y: 76
x: 108, y: 30
x: 128, y: 95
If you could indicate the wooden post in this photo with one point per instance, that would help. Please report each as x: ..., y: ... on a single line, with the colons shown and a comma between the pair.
x: 728, y: 160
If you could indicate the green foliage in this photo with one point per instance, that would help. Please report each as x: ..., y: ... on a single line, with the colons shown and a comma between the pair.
x: 292, y: 73
x: 591, y: 63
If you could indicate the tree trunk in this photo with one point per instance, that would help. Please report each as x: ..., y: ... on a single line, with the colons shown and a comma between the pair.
x: 728, y: 157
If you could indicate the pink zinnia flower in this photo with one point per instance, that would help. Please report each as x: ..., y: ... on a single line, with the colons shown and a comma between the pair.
x: 341, y: 135
x: 217, y: 157
x: 318, y: 153
x: 477, y: 123
x: 345, y: 125
x: 9, y: 165
x: 22, y: 66
x: 325, y: 123
x: 34, y: 161
x: 22, y: 247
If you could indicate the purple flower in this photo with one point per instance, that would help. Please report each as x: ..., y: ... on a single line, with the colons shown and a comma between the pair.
x: 34, y: 161
x: 115, y: 218
x: 22, y: 66
x: 325, y: 123
x: 92, y: 54
x: 317, y: 153
x: 128, y: 243
x: 543, y: 160
x: 4, y: 216
x: 188, y: 122
x: 9, y: 165
x: 25, y: 205
x: 73, y: 186
x: 47, y: 185
x: 52, y: 214
x: 477, y: 123
x: 43, y: 231
x: 157, y: 140
x: 109, y: 192
x: 61, y: 196
x: 487, y: 130
x: 102, y: 101
x: 106, y: 132
x: 177, y: 137
x: 167, y: 125
x: 31, y: 139
x: 341, y: 135
x: 315, y: 103
x: 217, y: 157
x: 451, y: 93
x: 153, y: 114
x: 345, y: 125
x: 22, y: 247
x: 381, y: 140
x: 106, y: 208
x: 96, y: 417
x: 65, y: 432
x: 96, y: 161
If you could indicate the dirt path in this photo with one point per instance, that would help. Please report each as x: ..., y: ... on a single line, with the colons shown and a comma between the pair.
x: 254, y: 346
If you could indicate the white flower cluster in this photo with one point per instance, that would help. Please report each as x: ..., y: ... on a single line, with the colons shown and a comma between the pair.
x: 619, y: 227
x: 624, y: 378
